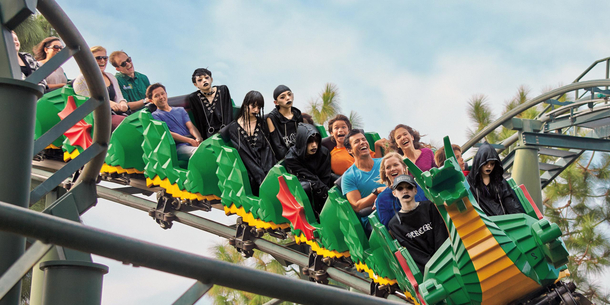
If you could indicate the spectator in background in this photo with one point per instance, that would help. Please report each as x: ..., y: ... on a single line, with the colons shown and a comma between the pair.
x: 133, y: 84
x: 307, y: 119
x: 44, y: 51
x: 118, y: 104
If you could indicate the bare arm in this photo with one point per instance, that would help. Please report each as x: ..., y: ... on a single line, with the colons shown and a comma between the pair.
x: 358, y: 203
x: 181, y: 138
x: 381, y: 147
x: 270, y: 124
x: 194, y: 132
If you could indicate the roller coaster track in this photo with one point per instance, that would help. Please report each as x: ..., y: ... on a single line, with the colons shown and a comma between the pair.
x: 59, y: 223
x: 559, y: 135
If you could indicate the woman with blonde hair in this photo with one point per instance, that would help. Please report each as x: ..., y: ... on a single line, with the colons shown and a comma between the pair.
x: 392, y: 166
x: 118, y: 104
x: 44, y: 51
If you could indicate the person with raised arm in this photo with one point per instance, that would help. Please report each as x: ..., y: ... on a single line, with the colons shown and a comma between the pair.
x: 250, y: 136
x: 211, y: 105
x: 418, y: 226
x: 183, y: 131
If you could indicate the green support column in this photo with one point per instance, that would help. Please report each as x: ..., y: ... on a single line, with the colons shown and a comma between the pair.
x: 72, y: 283
x: 526, y: 172
x: 17, y: 138
x: 525, y: 168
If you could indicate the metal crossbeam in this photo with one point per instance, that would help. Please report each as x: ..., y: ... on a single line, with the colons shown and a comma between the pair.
x: 581, y: 119
x: 213, y: 227
x: 193, y: 294
x: 65, y: 172
x: 66, y: 233
x: 56, y: 131
x: 565, y: 141
x: 55, y: 62
x: 22, y: 266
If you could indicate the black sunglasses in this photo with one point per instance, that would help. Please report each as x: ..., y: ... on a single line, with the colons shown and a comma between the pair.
x: 55, y: 47
x: 123, y: 64
x: 101, y: 57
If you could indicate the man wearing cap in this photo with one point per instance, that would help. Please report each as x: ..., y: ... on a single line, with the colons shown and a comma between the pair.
x: 418, y: 226
x: 284, y: 118
x: 133, y: 84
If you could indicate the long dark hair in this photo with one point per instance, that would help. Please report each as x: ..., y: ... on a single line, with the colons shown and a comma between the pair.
x: 252, y: 98
x: 412, y: 131
x: 39, y: 53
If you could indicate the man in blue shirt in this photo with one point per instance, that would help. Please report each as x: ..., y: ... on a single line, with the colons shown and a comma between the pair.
x: 183, y: 131
x: 360, y: 182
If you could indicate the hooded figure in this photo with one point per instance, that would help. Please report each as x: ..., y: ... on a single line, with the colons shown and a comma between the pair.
x: 311, y: 166
x: 495, y: 198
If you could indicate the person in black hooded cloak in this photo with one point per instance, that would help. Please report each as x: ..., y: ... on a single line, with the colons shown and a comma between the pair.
x: 310, y: 163
x: 489, y: 188
x: 250, y: 136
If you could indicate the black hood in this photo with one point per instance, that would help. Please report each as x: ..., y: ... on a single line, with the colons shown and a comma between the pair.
x: 296, y: 115
x: 485, y: 154
x: 304, y: 132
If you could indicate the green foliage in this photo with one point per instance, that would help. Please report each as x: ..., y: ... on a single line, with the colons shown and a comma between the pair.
x: 32, y: 31
x: 578, y: 200
x: 579, y: 203
x: 260, y: 260
x: 326, y: 105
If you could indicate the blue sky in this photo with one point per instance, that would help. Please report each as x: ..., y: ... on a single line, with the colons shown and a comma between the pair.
x: 410, y: 62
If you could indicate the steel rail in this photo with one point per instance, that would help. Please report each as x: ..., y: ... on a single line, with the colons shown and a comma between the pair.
x: 221, y: 230
x: 74, y: 235
x: 533, y: 102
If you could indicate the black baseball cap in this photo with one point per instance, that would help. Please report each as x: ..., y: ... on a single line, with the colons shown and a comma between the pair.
x: 403, y: 178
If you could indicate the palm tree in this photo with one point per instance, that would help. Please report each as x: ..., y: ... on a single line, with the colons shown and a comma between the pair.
x: 260, y: 260
x: 326, y: 105
x: 356, y: 119
x: 31, y: 32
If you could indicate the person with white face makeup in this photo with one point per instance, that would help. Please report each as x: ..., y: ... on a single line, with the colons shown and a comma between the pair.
x: 418, y: 226
x: 492, y: 192
x: 392, y: 166
x: 44, y: 51
x: 26, y: 61
x: 117, y: 103
x: 211, y: 106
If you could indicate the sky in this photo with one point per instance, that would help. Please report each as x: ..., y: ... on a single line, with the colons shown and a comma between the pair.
x: 411, y: 62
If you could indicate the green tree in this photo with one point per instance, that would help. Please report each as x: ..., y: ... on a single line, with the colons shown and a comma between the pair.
x: 260, y: 260
x: 326, y: 105
x: 578, y: 201
x: 33, y: 30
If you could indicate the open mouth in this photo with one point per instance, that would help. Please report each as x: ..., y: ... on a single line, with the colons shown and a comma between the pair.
x: 394, y: 174
x: 364, y: 148
x: 206, y: 84
x: 405, y: 143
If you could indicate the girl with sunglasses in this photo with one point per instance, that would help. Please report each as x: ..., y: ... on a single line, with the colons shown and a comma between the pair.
x: 117, y: 103
x: 44, y: 51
